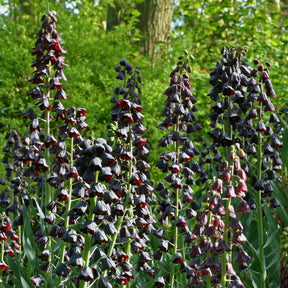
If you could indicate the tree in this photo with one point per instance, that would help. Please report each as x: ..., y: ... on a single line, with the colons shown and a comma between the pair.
x: 154, y: 22
x: 112, y: 16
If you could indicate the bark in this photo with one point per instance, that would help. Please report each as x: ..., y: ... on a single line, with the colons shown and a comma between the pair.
x: 155, y: 24
x: 113, y: 17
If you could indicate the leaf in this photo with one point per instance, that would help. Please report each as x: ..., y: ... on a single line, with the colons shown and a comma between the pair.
x: 20, y: 279
x: 283, y: 199
x: 272, y: 225
x: 285, y: 142
x: 255, y: 251
x: 280, y: 194
x: 148, y: 284
x: 254, y: 278
x: 44, y: 226
x: 276, y: 258
x: 272, y: 254
x: 255, y: 272
x: 283, y: 215
x: 135, y: 13
x: 29, y: 247
x: 271, y: 237
x: 42, y: 216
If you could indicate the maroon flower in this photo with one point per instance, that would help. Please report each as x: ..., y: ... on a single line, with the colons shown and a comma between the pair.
x: 243, y: 257
x: 62, y: 270
x: 37, y: 281
x: 239, y: 237
x: 160, y: 282
x: 50, y: 219
x: 177, y: 184
x: 86, y: 274
x: 205, y: 272
x: 242, y: 175
x: 236, y: 224
x: 181, y: 222
x: 243, y: 207
x: 72, y: 173
x: 222, y: 246
x: 178, y: 259
x: 195, y: 251
x: 226, y: 176
x: 217, y: 185
x: 135, y: 180
x: 230, y: 192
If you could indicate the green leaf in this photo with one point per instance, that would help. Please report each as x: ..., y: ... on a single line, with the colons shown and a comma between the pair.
x: 42, y: 216
x: 271, y: 237
x: 29, y: 247
x: 274, y: 260
x: 148, y: 284
x: 271, y: 223
x: 285, y: 142
x: 255, y: 251
x: 272, y: 254
x: 44, y: 226
x: 135, y: 13
x: 280, y: 194
x: 20, y: 279
x: 255, y: 279
x: 283, y: 215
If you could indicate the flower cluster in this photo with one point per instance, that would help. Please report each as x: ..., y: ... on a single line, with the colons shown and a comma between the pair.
x: 219, y: 229
x: 176, y: 203
x: 42, y: 158
x: 85, y: 210
x: 114, y: 217
x: 134, y: 221
x: 243, y: 117
x: 242, y: 111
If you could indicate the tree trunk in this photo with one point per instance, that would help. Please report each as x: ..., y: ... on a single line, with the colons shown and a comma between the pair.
x: 113, y: 17
x: 155, y: 24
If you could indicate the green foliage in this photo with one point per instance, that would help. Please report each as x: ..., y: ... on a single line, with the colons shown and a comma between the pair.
x: 271, y: 249
x: 92, y: 52
x: 259, y: 25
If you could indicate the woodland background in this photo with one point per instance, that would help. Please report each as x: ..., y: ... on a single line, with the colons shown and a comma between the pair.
x: 148, y: 33
x: 97, y: 34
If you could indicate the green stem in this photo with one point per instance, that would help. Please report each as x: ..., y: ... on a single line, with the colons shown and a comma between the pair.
x: 2, y: 250
x: 259, y: 210
x: 208, y: 281
x: 48, y: 189
x: 224, y: 255
x: 88, y: 240
x: 128, y: 208
x: 2, y: 258
x: 62, y: 254
x: 177, y: 244
x: 207, y: 277
x: 20, y: 237
x: 175, y: 247
x: 228, y: 130
x: 229, y: 126
x: 118, y: 227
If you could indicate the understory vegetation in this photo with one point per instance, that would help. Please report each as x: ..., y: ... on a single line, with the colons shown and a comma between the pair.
x: 122, y: 169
